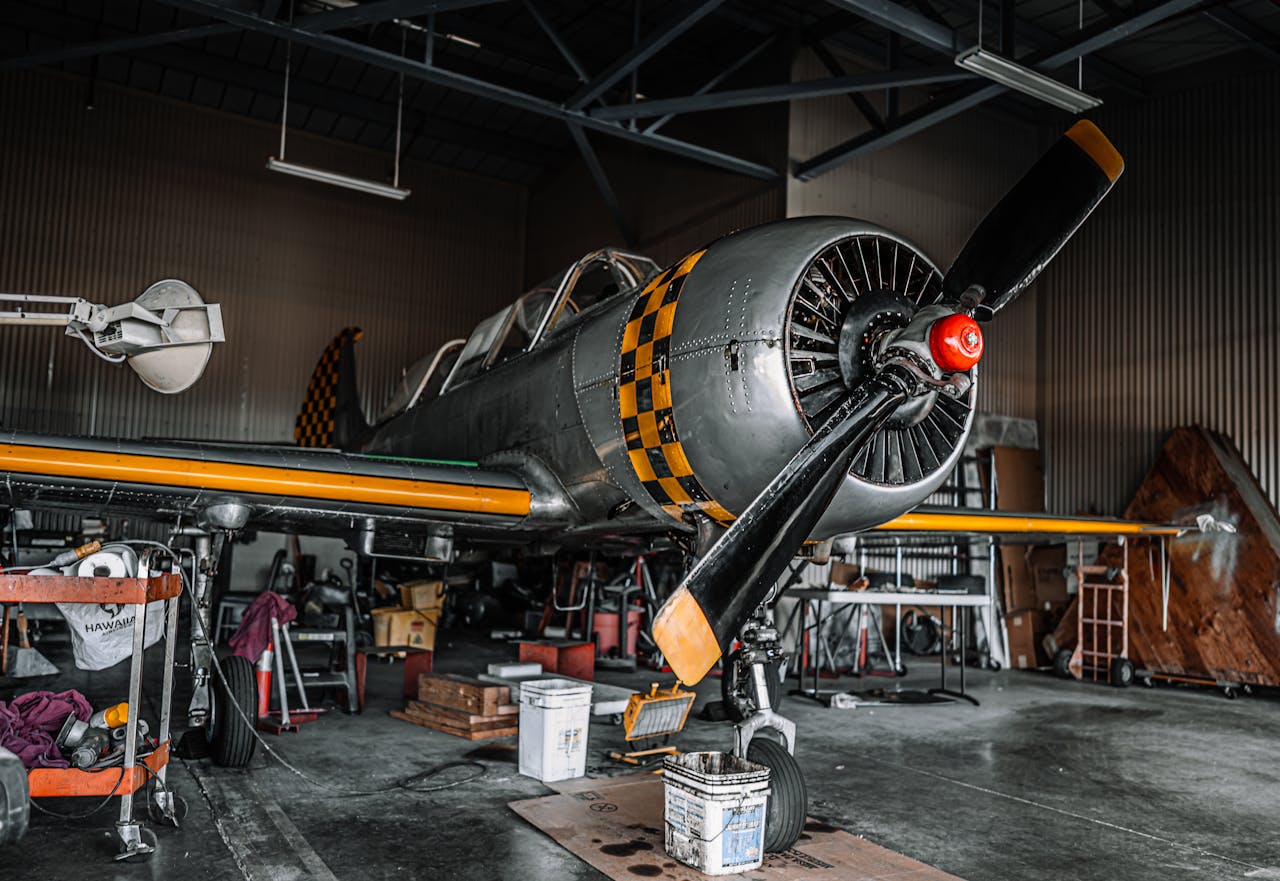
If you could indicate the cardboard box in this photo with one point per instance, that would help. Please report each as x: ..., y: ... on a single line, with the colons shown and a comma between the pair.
x: 405, y: 627
x: 1026, y: 628
x: 426, y: 595
x: 843, y: 574
x: 1019, y: 588
x: 1048, y: 565
x: 1019, y: 479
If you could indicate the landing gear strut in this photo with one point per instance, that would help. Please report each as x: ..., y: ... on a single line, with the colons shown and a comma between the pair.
x: 763, y: 736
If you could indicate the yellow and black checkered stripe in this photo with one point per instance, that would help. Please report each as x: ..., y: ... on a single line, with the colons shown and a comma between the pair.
x: 645, y: 400
x: 315, y: 423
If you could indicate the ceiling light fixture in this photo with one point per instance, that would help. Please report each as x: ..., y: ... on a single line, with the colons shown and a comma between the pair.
x: 430, y: 29
x: 358, y: 184
x: 307, y: 172
x: 1022, y: 79
x: 1025, y: 80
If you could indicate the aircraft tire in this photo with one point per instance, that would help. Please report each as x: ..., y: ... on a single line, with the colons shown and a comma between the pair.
x: 231, y: 741
x: 788, y: 794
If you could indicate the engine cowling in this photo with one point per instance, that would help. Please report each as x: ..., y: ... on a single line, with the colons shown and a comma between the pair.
x: 732, y: 357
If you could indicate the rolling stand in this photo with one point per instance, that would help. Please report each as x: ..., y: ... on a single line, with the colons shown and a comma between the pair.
x: 942, y: 664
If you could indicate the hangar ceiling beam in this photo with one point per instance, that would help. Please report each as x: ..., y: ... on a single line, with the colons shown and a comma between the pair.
x: 651, y: 45
x: 859, y: 100
x: 1254, y: 37
x: 470, y: 85
x: 1108, y: 72
x: 602, y: 183
x: 383, y: 10
x: 318, y: 23
x: 1099, y: 37
x: 543, y: 22
x: 740, y: 62
x: 938, y: 36
x: 902, y: 21
x: 120, y: 44
x: 860, y: 82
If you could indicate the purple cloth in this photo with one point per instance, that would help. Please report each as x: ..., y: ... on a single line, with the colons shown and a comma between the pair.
x: 254, y: 633
x: 30, y: 722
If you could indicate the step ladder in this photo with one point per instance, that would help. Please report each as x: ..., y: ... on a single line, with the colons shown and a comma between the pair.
x: 1102, y: 622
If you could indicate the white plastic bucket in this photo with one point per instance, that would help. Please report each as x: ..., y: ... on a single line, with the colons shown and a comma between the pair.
x: 715, y: 811
x: 554, y: 718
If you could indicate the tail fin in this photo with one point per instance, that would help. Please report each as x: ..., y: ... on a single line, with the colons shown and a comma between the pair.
x: 331, y: 414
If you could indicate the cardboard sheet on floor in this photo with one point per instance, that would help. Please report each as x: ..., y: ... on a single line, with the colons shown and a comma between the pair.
x: 616, y: 826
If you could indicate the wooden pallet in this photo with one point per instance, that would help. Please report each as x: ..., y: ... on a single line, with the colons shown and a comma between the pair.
x: 436, y: 723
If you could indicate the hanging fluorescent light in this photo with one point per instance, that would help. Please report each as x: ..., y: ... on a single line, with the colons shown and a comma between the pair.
x: 358, y: 184
x: 1025, y: 80
x: 456, y: 38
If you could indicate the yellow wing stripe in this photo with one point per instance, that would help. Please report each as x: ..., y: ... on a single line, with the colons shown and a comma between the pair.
x: 1019, y: 524
x: 262, y: 479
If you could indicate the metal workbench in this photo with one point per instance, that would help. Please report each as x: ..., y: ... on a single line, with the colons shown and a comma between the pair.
x: 809, y: 596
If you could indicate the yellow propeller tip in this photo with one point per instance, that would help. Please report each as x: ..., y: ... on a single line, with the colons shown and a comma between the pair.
x: 685, y: 637
x: 1089, y: 138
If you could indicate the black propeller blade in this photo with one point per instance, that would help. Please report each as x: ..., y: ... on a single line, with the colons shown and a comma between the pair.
x: 1033, y: 221
x: 697, y: 623
x: 1004, y: 255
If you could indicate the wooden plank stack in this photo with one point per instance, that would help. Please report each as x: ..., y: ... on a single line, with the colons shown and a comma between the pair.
x: 463, y: 707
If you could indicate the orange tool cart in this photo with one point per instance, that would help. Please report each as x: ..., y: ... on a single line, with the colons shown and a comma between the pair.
x: 135, y: 771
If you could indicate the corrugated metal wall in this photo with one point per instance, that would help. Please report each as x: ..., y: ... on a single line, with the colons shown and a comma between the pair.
x: 933, y: 189
x: 1165, y: 308
x: 100, y: 203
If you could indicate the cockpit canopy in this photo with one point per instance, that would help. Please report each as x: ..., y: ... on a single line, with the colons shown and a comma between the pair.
x: 548, y: 308
x: 543, y: 311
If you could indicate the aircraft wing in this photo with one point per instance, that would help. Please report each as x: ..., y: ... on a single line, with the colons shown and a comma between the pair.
x: 1011, y: 524
x: 286, y: 488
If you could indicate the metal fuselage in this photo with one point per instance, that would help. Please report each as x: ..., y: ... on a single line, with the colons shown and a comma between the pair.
x: 679, y: 400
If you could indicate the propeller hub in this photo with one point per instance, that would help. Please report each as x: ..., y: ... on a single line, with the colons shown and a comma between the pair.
x: 955, y: 342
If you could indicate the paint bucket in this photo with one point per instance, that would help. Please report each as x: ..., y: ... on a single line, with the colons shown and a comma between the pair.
x: 715, y: 811
x: 554, y: 717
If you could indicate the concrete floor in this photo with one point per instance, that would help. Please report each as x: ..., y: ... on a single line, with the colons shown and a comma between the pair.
x: 1046, y: 780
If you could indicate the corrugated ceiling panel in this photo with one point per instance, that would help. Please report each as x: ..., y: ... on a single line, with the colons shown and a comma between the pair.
x: 1163, y: 311
x: 99, y: 204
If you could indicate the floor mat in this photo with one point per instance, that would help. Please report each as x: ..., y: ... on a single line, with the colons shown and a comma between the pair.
x: 616, y: 826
